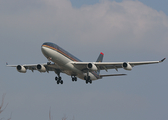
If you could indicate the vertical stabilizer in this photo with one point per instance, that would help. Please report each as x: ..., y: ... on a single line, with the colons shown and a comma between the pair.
x: 100, y: 59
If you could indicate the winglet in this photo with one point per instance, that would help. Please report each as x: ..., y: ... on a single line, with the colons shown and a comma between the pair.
x: 162, y: 60
x: 6, y: 63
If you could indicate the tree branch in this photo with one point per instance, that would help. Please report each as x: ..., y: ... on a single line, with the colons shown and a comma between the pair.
x: 2, y: 103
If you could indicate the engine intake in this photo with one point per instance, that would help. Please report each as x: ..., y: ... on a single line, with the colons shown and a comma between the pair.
x: 127, y: 66
x: 21, y: 69
x: 92, y: 67
x: 41, y: 68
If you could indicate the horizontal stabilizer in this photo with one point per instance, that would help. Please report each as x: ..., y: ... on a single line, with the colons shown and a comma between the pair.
x: 112, y: 75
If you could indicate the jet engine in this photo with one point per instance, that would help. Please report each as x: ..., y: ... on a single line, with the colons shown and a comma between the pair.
x: 41, y: 68
x: 21, y: 69
x: 92, y: 67
x: 127, y: 66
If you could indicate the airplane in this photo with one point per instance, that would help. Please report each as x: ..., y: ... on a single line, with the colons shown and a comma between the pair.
x: 64, y: 62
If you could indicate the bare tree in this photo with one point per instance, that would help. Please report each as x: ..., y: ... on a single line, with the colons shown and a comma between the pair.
x: 2, y: 103
x: 1, y: 107
x: 51, y: 117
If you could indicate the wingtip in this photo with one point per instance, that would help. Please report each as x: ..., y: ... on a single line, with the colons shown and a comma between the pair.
x: 162, y: 59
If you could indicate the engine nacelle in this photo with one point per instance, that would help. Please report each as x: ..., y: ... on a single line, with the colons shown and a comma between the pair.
x: 127, y: 66
x: 41, y: 68
x: 21, y: 69
x: 92, y: 67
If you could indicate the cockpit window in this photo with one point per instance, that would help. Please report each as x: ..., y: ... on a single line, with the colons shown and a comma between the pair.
x: 50, y: 44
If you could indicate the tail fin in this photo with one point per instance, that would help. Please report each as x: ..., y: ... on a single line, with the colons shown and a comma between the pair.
x: 100, y: 59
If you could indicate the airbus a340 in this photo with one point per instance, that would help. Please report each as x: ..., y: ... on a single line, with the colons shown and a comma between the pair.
x: 64, y: 62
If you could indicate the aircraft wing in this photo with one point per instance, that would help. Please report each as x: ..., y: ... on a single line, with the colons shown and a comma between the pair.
x: 111, y: 65
x: 32, y: 67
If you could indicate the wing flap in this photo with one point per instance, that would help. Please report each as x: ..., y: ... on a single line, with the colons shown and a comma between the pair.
x: 99, y: 65
x: 112, y: 75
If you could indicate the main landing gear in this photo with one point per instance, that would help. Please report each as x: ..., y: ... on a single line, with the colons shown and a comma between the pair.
x: 59, y: 80
x: 88, y: 80
x: 74, y: 78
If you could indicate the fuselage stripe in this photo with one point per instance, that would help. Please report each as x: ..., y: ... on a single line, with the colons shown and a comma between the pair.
x: 61, y: 52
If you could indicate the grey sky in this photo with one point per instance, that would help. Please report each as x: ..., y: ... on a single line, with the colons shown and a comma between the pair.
x: 123, y: 31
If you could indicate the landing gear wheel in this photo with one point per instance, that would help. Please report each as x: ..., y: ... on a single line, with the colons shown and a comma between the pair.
x: 58, y: 77
x: 58, y: 82
x: 87, y: 78
x: 74, y: 78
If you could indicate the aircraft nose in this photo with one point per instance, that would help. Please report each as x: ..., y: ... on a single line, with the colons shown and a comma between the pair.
x: 44, y: 51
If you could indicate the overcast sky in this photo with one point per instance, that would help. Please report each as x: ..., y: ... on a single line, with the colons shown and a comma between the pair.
x: 124, y: 30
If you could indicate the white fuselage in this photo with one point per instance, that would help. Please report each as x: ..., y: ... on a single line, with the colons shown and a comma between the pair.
x: 64, y: 63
